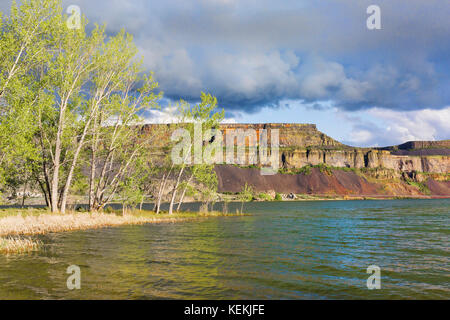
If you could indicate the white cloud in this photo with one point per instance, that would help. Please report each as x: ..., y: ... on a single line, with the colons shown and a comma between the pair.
x: 427, y: 124
x: 383, y: 127
x: 169, y: 115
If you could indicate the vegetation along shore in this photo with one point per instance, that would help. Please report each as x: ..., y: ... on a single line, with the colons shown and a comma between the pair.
x: 17, y: 225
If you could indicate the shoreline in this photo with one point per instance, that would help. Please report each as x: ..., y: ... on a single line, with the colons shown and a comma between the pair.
x: 368, y: 197
x: 18, y: 223
x: 232, y: 198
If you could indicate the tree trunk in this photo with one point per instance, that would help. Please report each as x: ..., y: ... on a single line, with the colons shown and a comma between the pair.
x: 44, y: 192
x: 91, y: 182
x: 175, y: 189
x: 24, y: 192
x: 72, y: 168
x: 93, y: 166
x: 55, y: 178
x: 184, y: 193
x: 57, y: 158
x: 158, y: 197
x: 163, y: 187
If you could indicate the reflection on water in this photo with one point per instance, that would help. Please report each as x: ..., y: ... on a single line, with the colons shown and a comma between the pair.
x: 287, y: 250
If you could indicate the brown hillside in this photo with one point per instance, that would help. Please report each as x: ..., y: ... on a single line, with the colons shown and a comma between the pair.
x: 337, y: 182
x: 232, y: 178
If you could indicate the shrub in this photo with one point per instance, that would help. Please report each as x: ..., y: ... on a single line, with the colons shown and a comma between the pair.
x: 265, y: 197
x: 421, y: 186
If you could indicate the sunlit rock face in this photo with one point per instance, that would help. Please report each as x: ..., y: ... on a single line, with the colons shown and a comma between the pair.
x: 372, y: 159
x: 302, y: 145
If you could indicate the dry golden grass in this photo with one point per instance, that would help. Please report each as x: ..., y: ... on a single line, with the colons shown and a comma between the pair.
x: 18, y: 245
x: 38, y: 222
x: 13, y: 225
x: 42, y: 224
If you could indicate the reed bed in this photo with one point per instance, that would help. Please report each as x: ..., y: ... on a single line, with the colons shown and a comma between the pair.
x: 46, y: 223
x: 32, y: 223
x: 18, y: 245
x: 29, y: 225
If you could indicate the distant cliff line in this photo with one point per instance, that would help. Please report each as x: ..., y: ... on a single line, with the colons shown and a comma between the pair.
x: 307, y: 135
x: 313, y: 163
x: 304, y: 145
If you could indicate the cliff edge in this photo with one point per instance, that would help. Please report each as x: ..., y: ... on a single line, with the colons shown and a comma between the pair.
x: 313, y: 163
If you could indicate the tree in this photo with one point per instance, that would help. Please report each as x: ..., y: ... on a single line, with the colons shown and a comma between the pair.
x: 246, y: 195
x: 70, y: 89
x: 24, y: 41
x: 68, y: 71
x: 206, y: 180
x: 118, y: 141
x: 24, y: 45
x: 205, y: 115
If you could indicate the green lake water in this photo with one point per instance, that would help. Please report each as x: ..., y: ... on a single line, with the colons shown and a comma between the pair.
x: 284, y: 250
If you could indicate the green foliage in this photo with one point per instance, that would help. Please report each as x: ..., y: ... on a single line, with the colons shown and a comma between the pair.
x: 23, y: 42
x: 206, y: 183
x: 246, y: 195
x: 306, y: 170
x: 421, y: 186
x: 129, y: 193
x: 264, y: 196
x: 324, y: 168
x: 80, y: 184
x: 203, y: 114
x: 66, y: 93
x: 278, y: 197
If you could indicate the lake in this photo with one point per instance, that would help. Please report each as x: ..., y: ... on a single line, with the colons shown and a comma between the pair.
x: 284, y: 250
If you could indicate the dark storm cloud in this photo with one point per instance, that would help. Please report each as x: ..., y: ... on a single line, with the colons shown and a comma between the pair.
x: 252, y: 53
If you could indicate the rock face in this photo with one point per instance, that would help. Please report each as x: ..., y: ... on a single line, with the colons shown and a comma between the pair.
x: 290, y: 135
x: 424, y: 145
x: 301, y: 145
x: 360, y: 158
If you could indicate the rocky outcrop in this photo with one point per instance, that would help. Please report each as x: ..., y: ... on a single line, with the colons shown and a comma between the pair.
x: 426, y: 163
x: 411, y: 145
x: 290, y: 135
x: 302, y: 145
x: 361, y: 158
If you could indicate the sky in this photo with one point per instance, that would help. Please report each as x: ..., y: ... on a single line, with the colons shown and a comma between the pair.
x: 304, y: 61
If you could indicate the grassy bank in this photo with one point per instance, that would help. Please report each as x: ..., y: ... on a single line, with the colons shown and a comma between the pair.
x: 30, y: 222
x: 18, y: 245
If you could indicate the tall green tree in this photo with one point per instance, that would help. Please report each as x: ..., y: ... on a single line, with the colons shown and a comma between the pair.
x: 75, y: 92
x: 25, y: 42
x: 203, y: 114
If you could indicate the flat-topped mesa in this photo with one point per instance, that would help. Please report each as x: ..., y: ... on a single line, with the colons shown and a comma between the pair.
x: 303, y: 144
x: 410, y: 145
x: 290, y: 135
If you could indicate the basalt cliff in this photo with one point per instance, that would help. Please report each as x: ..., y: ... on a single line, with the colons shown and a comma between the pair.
x: 312, y: 163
